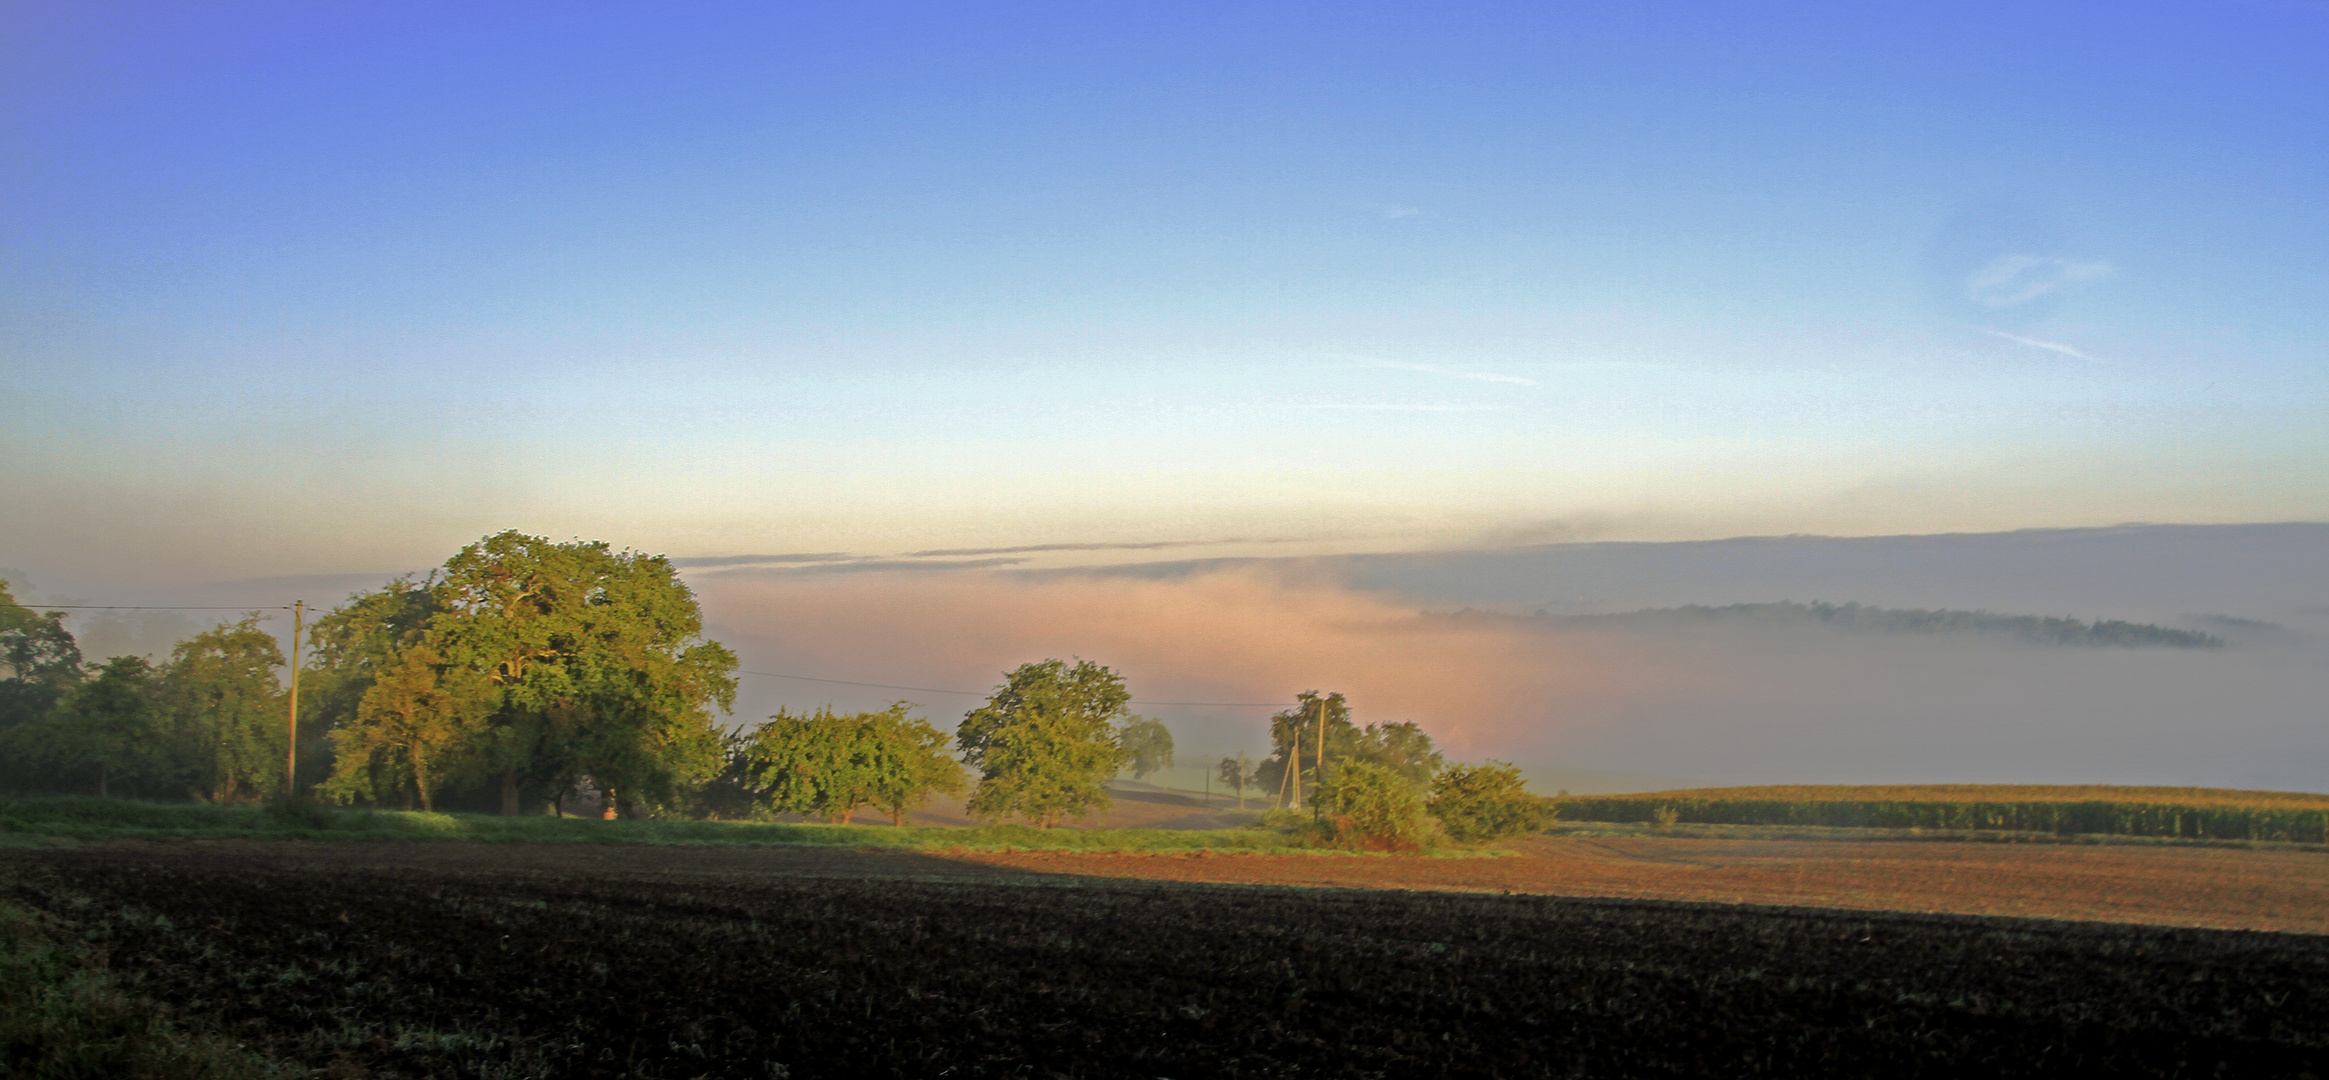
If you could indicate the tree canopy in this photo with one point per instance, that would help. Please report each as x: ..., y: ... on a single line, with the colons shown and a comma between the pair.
x: 1045, y: 742
x: 1148, y: 746
x: 538, y: 664
x: 829, y: 764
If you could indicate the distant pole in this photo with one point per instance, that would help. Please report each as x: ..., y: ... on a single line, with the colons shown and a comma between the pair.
x: 291, y: 750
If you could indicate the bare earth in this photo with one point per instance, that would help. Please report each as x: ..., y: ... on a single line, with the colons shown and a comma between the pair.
x: 2227, y: 888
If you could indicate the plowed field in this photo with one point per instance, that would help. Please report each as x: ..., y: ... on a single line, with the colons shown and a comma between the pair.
x: 480, y: 960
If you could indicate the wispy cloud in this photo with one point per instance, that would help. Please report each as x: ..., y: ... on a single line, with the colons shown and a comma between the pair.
x: 1148, y: 545
x: 1390, y: 406
x: 1475, y: 376
x: 2049, y: 346
x: 2012, y: 280
x: 869, y: 565
x: 756, y: 560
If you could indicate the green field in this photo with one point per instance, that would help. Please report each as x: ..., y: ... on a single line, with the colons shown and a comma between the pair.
x: 2191, y: 813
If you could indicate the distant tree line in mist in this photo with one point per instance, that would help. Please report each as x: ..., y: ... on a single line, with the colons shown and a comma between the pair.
x: 525, y: 674
x: 1864, y: 619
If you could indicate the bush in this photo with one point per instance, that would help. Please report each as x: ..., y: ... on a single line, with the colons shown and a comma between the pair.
x: 1476, y: 803
x: 1373, y: 806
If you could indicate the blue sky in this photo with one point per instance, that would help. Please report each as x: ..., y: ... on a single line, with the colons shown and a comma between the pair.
x: 309, y: 288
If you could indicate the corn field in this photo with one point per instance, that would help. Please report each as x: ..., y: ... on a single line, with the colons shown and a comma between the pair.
x: 2194, y: 813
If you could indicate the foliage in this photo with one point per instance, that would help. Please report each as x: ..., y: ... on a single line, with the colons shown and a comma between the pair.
x: 227, y: 710
x: 542, y: 665
x: 1372, y: 805
x: 1403, y: 746
x: 418, y: 715
x: 347, y: 650
x: 2160, y: 812
x: 63, y: 1015
x: 84, y: 819
x: 1147, y: 744
x: 1478, y: 803
x: 1045, y: 742
x: 39, y: 661
x: 829, y: 764
x: 109, y: 729
x: 1236, y: 773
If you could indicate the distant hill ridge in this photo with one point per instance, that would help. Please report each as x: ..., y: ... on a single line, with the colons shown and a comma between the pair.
x: 1857, y: 618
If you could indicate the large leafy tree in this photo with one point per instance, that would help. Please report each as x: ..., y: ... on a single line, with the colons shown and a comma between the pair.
x: 1044, y: 744
x: 227, y: 710
x: 594, y: 666
x: 39, y: 661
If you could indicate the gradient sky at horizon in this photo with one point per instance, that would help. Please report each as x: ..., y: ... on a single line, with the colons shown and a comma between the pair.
x: 321, y: 288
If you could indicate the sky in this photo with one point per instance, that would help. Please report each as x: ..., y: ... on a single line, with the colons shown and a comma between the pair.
x: 297, y: 294
x: 302, y: 288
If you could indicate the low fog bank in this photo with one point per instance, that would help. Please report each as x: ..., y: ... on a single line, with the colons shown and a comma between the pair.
x: 2146, y: 573
x: 1627, y: 708
x: 1590, y: 705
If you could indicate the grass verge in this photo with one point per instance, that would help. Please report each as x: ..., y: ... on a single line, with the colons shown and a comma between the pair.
x: 49, y: 821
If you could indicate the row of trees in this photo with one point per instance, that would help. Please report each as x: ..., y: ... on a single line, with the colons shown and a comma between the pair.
x: 211, y: 720
x: 523, y: 670
x: 522, y: 666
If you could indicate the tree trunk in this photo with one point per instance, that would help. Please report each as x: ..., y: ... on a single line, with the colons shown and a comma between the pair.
x: 898, y: 815
x: 509, y: 792
x: 606, y: 805
x: 420, y: 780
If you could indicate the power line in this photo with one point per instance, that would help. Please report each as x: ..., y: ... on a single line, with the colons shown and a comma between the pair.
x: 159, y: 607
x: 982, y: 693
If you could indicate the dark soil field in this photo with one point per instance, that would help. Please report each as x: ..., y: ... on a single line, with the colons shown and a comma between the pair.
x: 501, y: 960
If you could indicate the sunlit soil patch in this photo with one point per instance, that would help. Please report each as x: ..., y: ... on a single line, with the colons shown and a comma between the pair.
x: 2227, y: 888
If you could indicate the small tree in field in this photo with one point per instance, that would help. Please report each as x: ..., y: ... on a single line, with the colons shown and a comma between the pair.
x: 828, y: 764
x: 1476, y: 803
x: 1045, y: 742
x: 1237, y: 772
x: 1147, y: 744
x: 914, y: 764
x: 1373, y: 805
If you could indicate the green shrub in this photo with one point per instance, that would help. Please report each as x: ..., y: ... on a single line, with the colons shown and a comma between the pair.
x: 1374, y: 806
x: 1477, y: 803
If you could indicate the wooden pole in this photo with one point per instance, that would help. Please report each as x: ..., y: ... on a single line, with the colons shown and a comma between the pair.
x: 291, y: 751
x: 1321, y: 740
x: 1294, y: 767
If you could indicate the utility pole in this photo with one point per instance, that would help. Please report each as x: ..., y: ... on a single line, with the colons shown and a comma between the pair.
x: 1294, y: 766
x: 291, y: 752
x: 1321, y: 740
